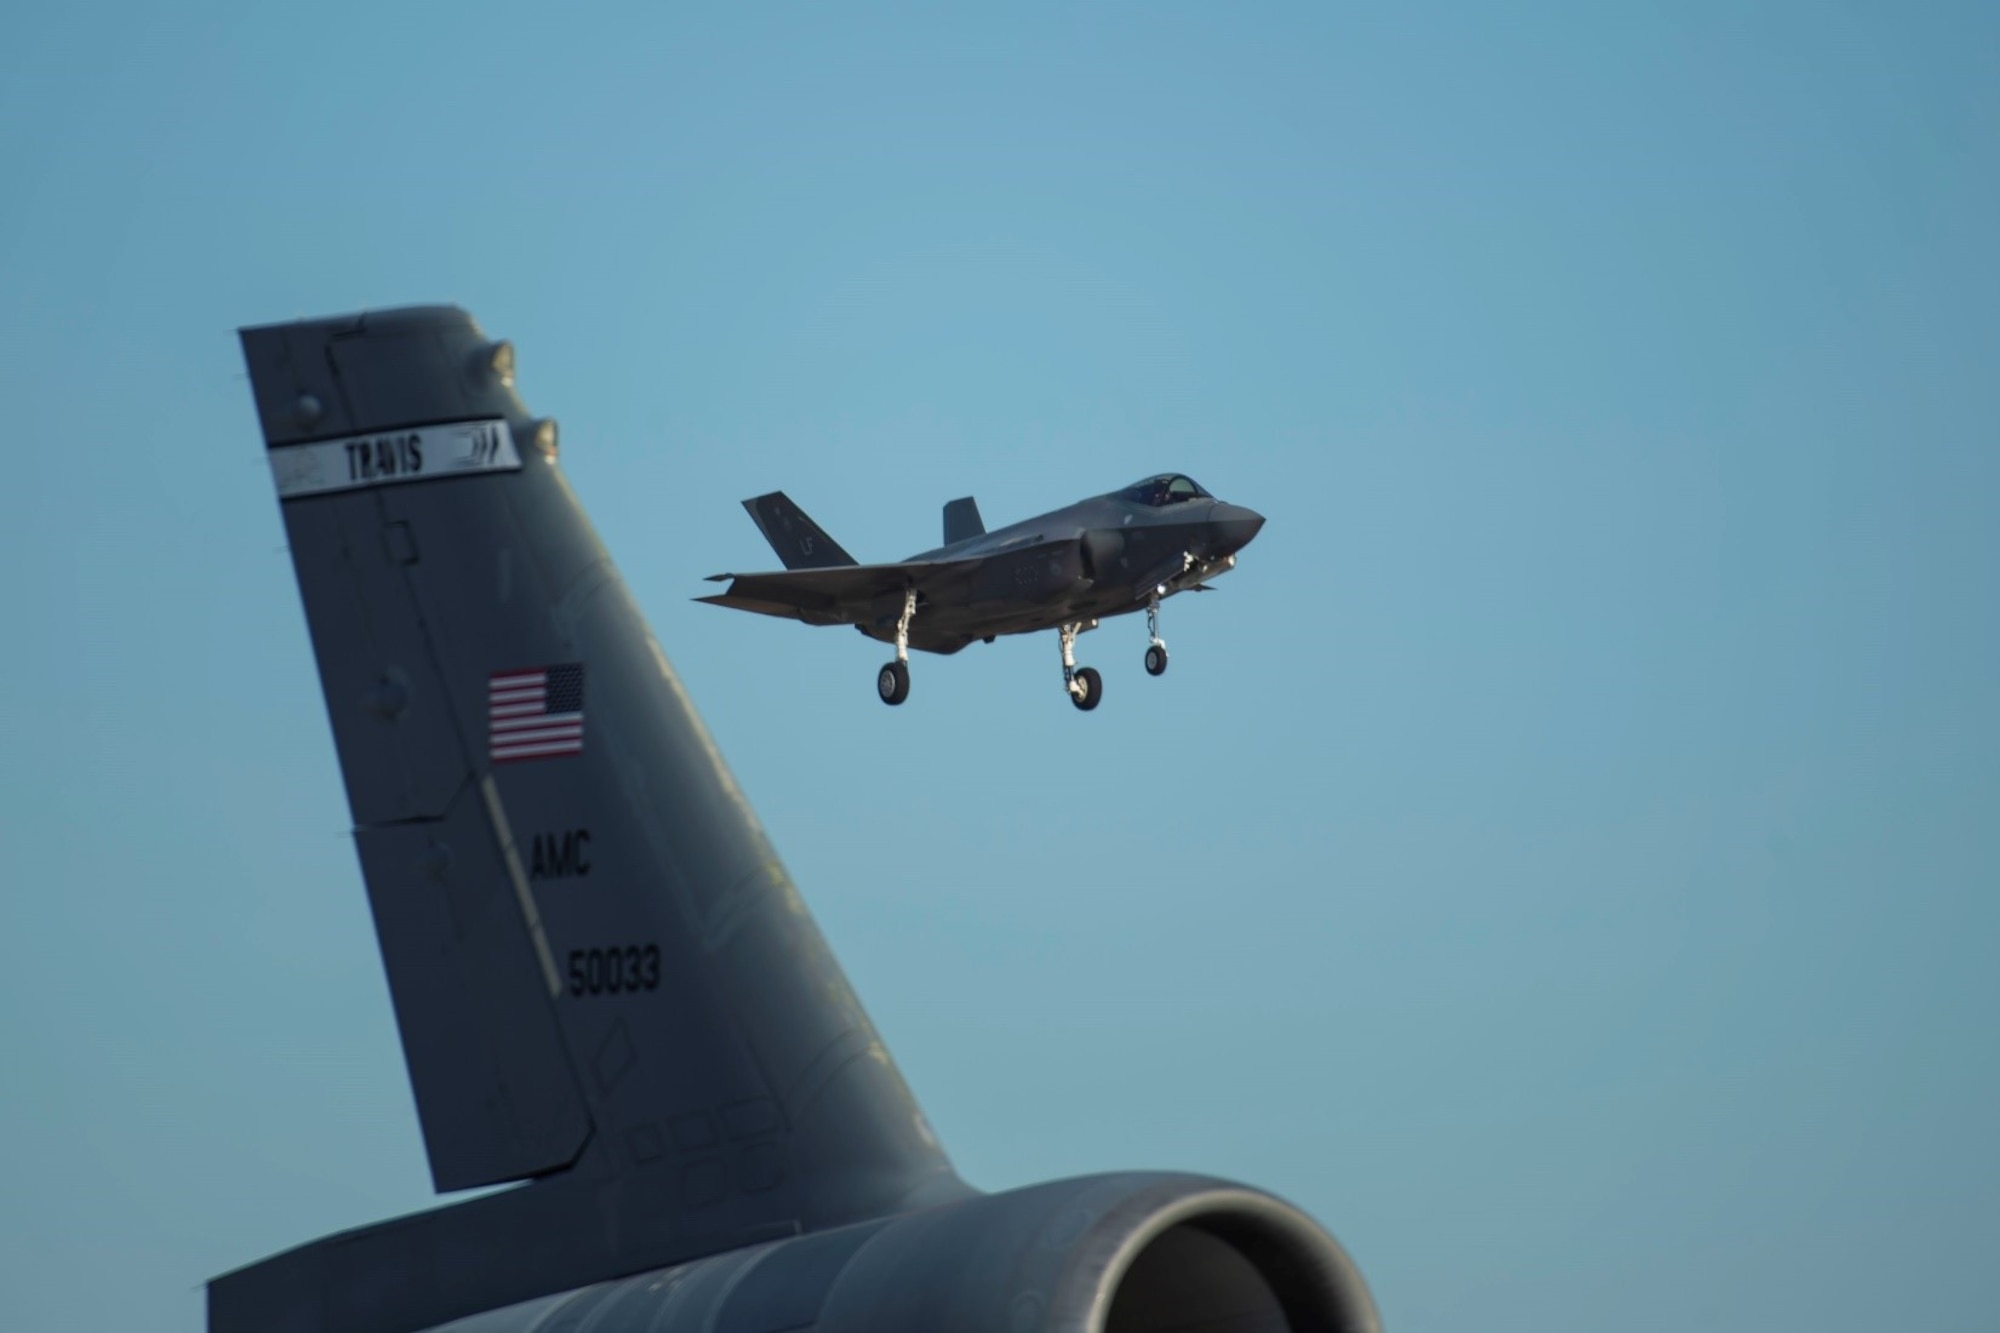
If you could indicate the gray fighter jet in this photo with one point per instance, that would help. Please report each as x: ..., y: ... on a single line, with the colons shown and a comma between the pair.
x: 1065, y: 570
x: 611, y: 997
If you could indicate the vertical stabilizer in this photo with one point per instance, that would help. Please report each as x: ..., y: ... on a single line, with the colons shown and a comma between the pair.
x: 799, y: 542
x: 603, y: 977
x: 961, y: 521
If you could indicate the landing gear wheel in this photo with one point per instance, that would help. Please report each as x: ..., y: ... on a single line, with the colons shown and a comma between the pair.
x: 1156, y: 647
x: 892, y: 682
x: 1086, y: 688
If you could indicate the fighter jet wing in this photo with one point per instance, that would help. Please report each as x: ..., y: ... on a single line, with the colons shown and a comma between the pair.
x: 838, y: 595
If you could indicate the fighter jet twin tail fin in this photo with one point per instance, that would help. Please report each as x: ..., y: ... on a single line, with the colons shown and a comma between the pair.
x: 962, y: 522
x: 804, y: 544
x: 799, y: 542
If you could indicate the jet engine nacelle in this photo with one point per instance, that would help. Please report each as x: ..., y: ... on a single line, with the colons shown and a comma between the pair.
x: 1127, y: 1253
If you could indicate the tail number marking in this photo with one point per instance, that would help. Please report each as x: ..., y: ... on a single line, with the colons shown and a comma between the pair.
x: 614, y: 971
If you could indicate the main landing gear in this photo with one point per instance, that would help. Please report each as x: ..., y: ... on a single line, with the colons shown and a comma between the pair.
x: 892, y: 682
x: 1085, y: 686
x: 1156, y: 650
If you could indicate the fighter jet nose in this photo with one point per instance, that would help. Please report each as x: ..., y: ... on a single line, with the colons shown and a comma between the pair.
x: 1234, y: 527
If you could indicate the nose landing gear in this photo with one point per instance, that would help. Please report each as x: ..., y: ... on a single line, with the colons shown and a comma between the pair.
x: 1156, y: 651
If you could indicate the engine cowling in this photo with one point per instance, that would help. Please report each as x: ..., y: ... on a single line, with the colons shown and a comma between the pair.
x: 1126, y: 1253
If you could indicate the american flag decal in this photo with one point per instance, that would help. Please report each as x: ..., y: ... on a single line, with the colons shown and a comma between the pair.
x: 534, y: 714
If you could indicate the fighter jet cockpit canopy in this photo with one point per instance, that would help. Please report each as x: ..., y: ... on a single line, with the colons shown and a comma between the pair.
x: 1165, y: 489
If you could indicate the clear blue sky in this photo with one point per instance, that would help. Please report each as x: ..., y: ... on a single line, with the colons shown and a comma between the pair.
x: 1563, y: 857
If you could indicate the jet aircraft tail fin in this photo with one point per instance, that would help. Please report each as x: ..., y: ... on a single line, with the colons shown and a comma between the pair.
x: 962, y: 521
x: 604, y: 980
x: 799, y: 542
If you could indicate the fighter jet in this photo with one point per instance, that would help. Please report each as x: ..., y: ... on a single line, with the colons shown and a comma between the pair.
x: 611, y: 996
x: 1124, y: 551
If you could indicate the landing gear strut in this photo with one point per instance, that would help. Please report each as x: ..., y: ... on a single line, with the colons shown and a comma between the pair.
x: 1085, y: 686
x: 892, y: 682
x: 1156, y: 651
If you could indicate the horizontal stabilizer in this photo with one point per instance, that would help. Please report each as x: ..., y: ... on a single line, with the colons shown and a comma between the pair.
x: 867, y: 596
x: 799, y: 542
x: 850, y: 585
x: 962, y: 521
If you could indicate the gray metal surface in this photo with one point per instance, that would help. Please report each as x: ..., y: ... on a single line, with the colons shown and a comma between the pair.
x: 798, y: 540
x: 1134, y: 1252
x: 723, y: 1084
x: 962, y: 521
x: 607, y: 988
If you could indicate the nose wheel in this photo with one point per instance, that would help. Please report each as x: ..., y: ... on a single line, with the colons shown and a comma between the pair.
x: 892, y: 682
x: 1085, y: 686
x: 1156, y: 651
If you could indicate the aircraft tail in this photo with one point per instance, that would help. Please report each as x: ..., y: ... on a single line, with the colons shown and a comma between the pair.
x: 962, y: 521
x: 604, y: 980
x: 799, y: 542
